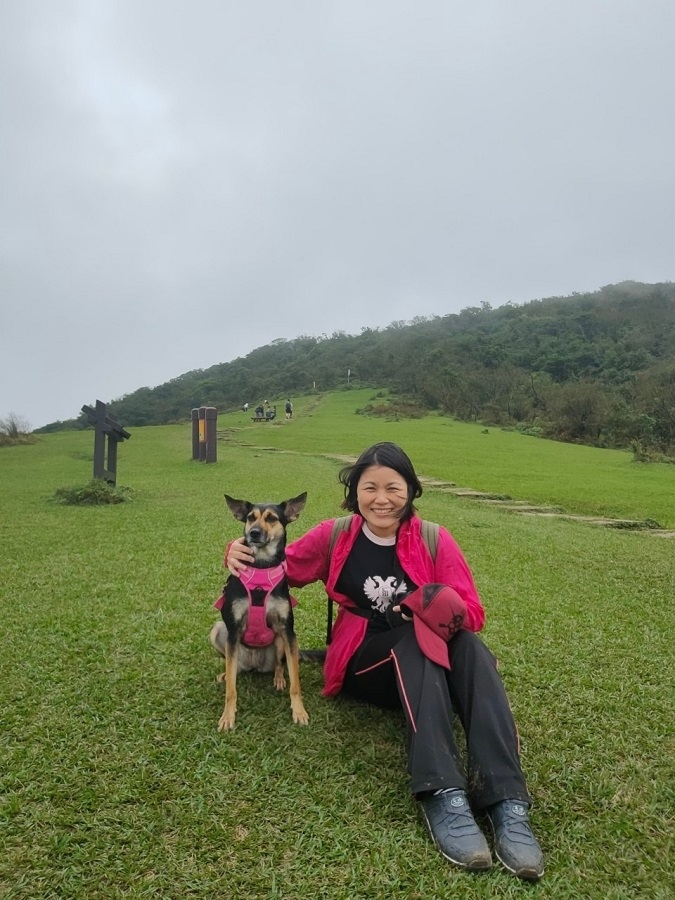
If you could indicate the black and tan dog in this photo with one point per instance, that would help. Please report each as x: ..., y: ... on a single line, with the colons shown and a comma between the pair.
x: 256, y: 633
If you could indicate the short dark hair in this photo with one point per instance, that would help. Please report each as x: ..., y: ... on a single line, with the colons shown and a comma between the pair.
x: 383, y: 454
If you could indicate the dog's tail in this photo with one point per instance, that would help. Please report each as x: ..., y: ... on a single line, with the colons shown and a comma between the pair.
x: 316, y: 656
x: 218, y: 637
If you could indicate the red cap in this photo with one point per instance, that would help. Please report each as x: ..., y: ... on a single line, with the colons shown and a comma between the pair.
x: 438, y: 613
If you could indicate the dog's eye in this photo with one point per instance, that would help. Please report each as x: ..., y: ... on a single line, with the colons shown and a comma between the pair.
x: 272, y: 518
x: 251, y: 517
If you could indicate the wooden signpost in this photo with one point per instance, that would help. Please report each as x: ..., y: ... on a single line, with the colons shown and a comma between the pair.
x: 107, y: 431
x: 204, y: 435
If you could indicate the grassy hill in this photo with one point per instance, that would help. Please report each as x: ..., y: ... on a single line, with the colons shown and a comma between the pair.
x: 595, y: 369
x: 585, y: 480
x: 115, y: 781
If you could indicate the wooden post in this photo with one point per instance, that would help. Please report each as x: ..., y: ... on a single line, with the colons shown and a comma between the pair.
x: 202, y: 433
x: 111, y: 474
x: 107, y: 431
x: 195, y: 433
x: 99, y: 442
x: 211, y: 437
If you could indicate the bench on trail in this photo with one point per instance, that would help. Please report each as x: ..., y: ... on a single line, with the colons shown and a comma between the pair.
x: 261, y: 416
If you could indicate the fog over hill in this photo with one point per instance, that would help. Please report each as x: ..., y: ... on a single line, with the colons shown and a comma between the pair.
x: 185, y: 182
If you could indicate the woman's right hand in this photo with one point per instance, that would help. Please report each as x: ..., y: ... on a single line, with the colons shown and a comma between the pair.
x: 238, y: 556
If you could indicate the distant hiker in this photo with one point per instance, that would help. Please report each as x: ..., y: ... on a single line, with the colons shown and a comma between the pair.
x: 244, y: 407
x: 289, y: 409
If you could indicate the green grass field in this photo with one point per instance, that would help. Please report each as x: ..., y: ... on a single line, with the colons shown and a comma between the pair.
x: 115, y: 781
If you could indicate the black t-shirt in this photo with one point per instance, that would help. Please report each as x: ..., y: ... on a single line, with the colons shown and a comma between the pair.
x: 372, y: 576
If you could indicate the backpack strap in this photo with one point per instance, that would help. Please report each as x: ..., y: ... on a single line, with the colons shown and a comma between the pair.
x: 339, y: 525
x: 429, y: 536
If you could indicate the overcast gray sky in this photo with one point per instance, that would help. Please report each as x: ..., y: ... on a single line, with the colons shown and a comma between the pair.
x: 182, y: 182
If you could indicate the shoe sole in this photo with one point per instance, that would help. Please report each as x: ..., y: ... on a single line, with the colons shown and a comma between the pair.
x: 480, y: 865
x: 524, y: 872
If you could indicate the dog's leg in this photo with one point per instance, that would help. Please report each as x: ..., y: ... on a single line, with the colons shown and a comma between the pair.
x: 226, y: 722
x: 279, y: 680
x: 300, y: 716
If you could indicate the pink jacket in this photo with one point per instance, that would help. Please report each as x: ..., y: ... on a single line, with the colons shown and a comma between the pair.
x: 307, y: 561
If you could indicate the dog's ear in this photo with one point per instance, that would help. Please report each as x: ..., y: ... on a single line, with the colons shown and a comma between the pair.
x: 239, y: 508
x: 292, y: 508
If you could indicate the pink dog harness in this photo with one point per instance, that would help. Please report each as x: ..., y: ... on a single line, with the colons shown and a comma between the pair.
x: 258, y: 633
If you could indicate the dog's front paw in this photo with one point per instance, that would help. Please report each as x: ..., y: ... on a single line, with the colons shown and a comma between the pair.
x: 300, y: 716
x: 279, y: 681
x: 226, y: 721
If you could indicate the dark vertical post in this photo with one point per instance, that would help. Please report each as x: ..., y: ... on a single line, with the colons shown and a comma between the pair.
x: 111, y: 474
x: 99, y: 441
x: 195, y: 433
x: 211, y: 421
x: 106, y: 431
x: 202, y: 433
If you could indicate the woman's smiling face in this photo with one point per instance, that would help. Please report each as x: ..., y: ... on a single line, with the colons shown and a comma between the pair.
x: 382, y: 496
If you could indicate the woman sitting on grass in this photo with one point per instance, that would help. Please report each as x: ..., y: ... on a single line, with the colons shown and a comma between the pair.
x: 405, y: 638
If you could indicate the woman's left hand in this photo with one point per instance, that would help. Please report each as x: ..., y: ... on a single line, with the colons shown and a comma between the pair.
x: 397, y: 609
x: 395, y: 617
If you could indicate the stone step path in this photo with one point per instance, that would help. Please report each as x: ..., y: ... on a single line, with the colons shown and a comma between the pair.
x: 647, y: 526
x: 503, y: 501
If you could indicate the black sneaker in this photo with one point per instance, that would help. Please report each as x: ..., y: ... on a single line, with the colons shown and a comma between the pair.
x: 454, y: 831
x: 515, y: 845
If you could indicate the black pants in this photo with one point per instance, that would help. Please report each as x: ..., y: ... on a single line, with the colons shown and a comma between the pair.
x: 389, y: 670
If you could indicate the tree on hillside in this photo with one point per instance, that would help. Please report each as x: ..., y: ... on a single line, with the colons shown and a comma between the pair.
x: 578, y: 411
x: 656, y: 401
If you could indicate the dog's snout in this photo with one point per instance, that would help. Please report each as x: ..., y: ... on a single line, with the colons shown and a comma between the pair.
x: 255, y: 534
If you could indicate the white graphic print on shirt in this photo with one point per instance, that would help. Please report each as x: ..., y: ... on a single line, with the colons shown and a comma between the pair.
x: 381, y: 591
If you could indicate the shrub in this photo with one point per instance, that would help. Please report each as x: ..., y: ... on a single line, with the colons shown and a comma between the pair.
x: 95, y: 492
x: 648, y: 454
x: 395, y: 409
x: 8, y: 441
x: 15, y: 430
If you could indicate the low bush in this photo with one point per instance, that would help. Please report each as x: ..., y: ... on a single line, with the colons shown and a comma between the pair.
x: 7, y: 440
x: 644, y: 454
x: 393, y: 410
x: 95, y: 492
